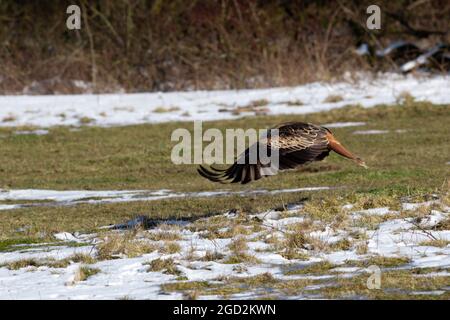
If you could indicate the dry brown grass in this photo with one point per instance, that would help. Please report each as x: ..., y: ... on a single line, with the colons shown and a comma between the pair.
x: 84, y: 272
x: 50, y: 262
x: 405, y: 98
x: 116, y: 244
x: 83, y: 258
x: 239, y: 254
x: 165, y: 110
x: 443, y: 225
x: 170, y: 247
x: 435, y: 243
x: 212, y: 256
x: 362, y: 248
x: 164, y: 265
x: 163, y: 236
x: 322, y: 267
x: 333, y: 98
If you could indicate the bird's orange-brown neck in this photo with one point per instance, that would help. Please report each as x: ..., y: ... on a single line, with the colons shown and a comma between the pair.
x: 337, y: 147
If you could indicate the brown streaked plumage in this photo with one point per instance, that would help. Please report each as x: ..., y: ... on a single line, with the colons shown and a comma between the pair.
x: 298, y: 144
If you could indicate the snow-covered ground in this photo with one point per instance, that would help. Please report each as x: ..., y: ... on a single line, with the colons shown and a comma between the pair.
x: 127, y: 109
x: 37, y: 197
x: 129, y: 277
x: 125, y: 277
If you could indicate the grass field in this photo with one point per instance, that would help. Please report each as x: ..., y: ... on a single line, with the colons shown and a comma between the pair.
x: 412, y: 162
x: 311, y: 244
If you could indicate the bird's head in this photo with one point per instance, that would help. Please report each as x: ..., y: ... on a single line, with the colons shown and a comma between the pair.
x: 361, y: 163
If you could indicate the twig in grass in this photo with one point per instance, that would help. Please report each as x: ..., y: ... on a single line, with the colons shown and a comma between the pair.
x: 428, y: 233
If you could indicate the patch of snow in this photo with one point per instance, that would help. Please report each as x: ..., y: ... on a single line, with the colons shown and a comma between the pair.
x: 66, y: 236
x: 71, y: 197
x: 413, y: 206
x: 371, y: 132
x: 433, y: 219
x: 429, y: 293
x: 347, y: 206
x: 40, y: 132
x: 346, y: 269
x: 433, y: 274
x: 368, y: 132
x: 130, y: 277
x: 374, y: 212
x: 343, y: 124
x: 129, y: 109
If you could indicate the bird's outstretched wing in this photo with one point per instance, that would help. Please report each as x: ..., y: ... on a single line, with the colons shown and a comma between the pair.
x: 297, y: 144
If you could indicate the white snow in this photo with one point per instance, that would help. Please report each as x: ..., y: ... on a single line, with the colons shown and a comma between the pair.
x: 127, y: 109
x: 343, y: 124
x: 370, y: 131
x: 40, y: 132
x: 414, y: 206
x: 71, y: 197
x: 129, y: 278
x: 374, y: 211
x: 364, y: 132
x: 66, y: 236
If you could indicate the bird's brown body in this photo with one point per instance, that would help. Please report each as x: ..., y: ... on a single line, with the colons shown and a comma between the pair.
x: 298, y: 143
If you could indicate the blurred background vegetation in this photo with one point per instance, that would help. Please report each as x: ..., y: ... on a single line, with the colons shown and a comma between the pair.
x: 163, y: 45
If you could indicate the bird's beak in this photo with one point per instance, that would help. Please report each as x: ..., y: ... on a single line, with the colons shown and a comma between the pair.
x: 361, y: 163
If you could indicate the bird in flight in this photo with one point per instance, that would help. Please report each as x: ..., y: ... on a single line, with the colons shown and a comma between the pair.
x: 297, y: 144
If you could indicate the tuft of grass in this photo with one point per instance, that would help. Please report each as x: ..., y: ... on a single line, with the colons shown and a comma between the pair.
x: 86, y: 120
x: 258, y: 103
x: 115, y: 245
x: 322, y: 267
x: 165, y: 110
x: 8, y: 245
x: 333, y: 98
x: 165, y: 265
x: 443, y: 225
x: 85, y: 272
x: 9, y: 118
x: 22, y: 263
x: 343, y: 244
x: 163, y: 236
x: 328, y: 210
x: 370, y: 201
x: 441, y: 243
x: 28, y: 262
x: 294, y: 103
x: 292, y: 245
x: 212, y: 256
x: 405, y: 98
x: 380, y: 261
x: 239, y: 254
x: 238, y: 245
x: 362, y: 248
x: 185, y: 286
x: 170, y: 247
x: 259, y: 280
x: 83, y: 258
x: 50, y: 262
x: 191, y: 295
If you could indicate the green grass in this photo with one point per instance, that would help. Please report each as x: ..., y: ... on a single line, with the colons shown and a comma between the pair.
x: 138, y: 157
x: 396, y: 284
x: 20, y: 244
